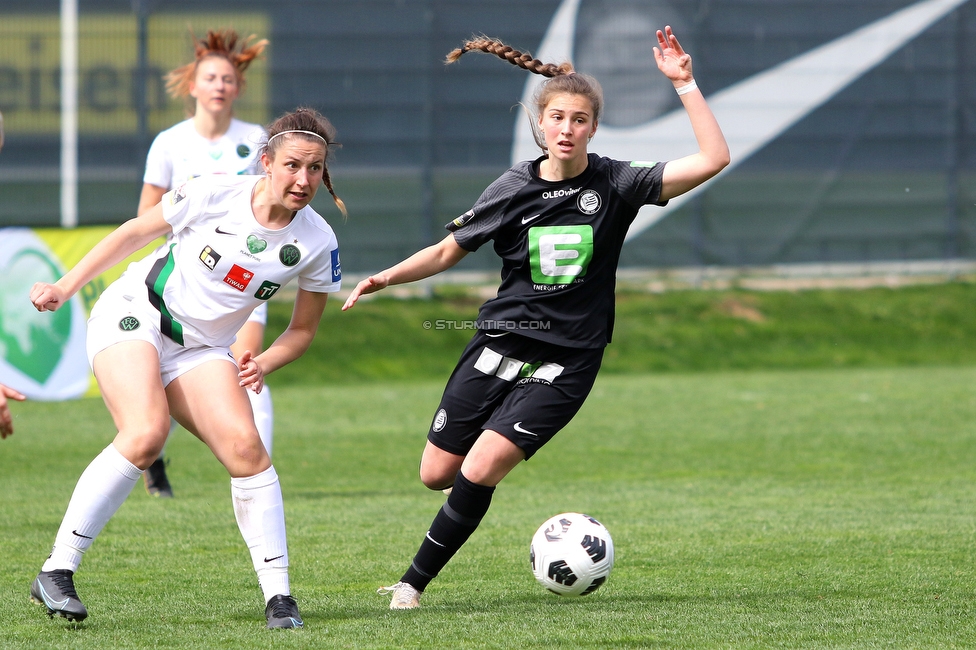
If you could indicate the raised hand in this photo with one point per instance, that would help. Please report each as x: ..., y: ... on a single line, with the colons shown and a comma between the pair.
x: 671, y: 58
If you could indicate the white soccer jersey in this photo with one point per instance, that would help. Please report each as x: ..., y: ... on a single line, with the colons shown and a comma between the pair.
x: 221, y: 263
x: 180, y: 153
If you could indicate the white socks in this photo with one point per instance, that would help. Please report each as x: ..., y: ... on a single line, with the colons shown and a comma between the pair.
x: 109, y: 479
x: 261, y: 517
x: 263, y: 415
x: 102, y: 488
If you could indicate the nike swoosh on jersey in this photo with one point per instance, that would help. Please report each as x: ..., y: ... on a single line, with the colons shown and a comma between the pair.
x: 518, y: 427
x: 526, y: 220
x: 748, y: 118
x: 223, y: 232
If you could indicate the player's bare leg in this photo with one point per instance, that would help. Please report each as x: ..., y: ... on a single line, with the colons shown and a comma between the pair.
x: 211, y: 404
x: 128, y: 376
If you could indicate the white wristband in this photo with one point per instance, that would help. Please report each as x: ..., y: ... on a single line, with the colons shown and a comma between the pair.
x: 687, y: 88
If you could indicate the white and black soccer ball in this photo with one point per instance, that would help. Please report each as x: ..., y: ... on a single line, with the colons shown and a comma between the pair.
x: 571, y: 554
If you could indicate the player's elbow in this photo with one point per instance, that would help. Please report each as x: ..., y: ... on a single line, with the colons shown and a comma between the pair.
x: 712, y: 163
x: 718, y: 160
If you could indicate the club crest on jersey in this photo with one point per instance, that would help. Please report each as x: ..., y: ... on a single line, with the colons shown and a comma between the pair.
x: 243, y: 150
x: 238, y: 277
x: 209, y: 257
x: 589, y: 202
x: 129, y: 324
x: 289, y: 255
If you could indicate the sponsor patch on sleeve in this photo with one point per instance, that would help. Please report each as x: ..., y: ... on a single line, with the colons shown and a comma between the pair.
x: 336, y: 266
x: 460, y: 221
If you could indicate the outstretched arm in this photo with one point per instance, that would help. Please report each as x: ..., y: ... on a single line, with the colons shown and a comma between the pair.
x: 6, y: 420
x: 422, y: 264
x: 683, y: 174
x: 117, y: 245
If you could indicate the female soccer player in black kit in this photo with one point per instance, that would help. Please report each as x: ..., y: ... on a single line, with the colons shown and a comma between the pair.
x: 558, y: 223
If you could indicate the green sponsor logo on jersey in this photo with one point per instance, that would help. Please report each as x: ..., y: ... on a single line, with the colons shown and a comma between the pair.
x: 559, y: 254
x: 255, y: 244
x: 266, y: 290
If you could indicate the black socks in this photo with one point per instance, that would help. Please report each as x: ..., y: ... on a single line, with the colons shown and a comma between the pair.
x: 454, y: 523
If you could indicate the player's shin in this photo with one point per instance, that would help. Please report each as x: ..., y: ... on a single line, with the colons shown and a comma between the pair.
x: 457, y: 519
x: 260, y: 516
x: 100, y: 490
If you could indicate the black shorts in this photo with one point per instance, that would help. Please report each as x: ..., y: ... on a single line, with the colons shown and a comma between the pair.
x: 525, y: 389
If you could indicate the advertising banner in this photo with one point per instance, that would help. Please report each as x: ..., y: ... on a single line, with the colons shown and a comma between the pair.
x: 42, y: 354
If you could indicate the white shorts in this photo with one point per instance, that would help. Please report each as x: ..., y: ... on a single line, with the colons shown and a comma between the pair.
x: 259, y: 315
x: 116, y: 318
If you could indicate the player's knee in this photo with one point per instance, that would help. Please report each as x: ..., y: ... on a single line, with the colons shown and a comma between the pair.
x: 142, y: 442
x: 437, y: 479
x: 250, y: 454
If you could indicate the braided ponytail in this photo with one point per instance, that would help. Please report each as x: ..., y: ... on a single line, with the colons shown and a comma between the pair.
x: 562, y: 78
x: 510, y: 54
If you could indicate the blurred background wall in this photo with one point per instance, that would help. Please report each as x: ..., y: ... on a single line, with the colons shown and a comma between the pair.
x: 885, y: 170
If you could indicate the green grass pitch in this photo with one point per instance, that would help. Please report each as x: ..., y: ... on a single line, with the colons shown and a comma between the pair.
x: 817, y: 508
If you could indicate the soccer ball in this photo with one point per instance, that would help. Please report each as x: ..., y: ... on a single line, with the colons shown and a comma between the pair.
x: 571, y: 554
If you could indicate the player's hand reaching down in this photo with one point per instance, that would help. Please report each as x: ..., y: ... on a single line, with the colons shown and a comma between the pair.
x: 251, y: 374
x: 369, y: 285
x: 6, y: 420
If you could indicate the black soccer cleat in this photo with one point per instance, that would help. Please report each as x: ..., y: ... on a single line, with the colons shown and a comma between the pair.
x: 56, y: 591
x: 282, y: 612
x: 157, y: 484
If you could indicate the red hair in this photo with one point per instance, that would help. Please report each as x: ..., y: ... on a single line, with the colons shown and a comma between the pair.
x: 222, y: 43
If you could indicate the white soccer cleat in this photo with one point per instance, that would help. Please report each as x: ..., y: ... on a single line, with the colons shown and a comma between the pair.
x: 405, y: 596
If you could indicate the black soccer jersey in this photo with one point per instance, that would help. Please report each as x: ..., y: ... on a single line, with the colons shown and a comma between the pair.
x: 559, y: 243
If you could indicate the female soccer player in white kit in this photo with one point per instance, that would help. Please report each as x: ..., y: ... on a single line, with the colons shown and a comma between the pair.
x: 159, y: 336
x: 212, y: 141
x: 558, y: 223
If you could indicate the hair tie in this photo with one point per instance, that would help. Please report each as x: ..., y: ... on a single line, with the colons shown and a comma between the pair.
x: 299, y: 131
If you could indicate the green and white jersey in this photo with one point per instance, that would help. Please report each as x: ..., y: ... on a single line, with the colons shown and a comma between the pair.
x: 220, y: 263
x: 179, y: 153
x: 560, y: 244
